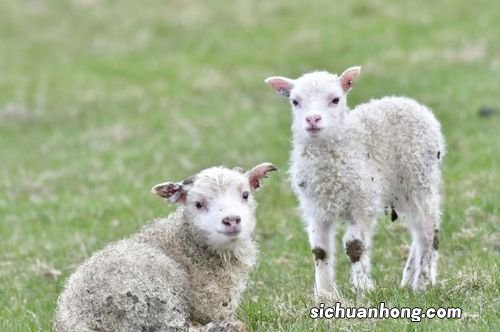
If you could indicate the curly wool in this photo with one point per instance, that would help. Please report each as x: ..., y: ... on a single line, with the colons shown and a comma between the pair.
x: 159, y: 279
x: 386, y: 153
x: 353, y: 165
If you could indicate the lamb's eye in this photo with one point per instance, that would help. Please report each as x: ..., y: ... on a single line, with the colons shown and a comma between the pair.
x: 245, y: 195
x: 295, y: 102
x: 198, y: 205
x: 335, y: 100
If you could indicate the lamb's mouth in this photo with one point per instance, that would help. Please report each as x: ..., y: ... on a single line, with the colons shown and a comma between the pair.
x: 313, y: 130
x: 230, y: 234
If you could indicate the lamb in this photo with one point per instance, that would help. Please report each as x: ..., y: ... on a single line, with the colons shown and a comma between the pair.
x: 352, y: 165
x: 185, y: 272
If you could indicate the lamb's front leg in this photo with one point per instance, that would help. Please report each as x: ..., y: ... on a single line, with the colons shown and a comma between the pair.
x: 321, y: 235
x: 218, y: 326
x: 357, y: 242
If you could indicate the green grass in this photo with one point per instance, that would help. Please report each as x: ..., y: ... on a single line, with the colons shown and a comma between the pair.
x: 100, y: 100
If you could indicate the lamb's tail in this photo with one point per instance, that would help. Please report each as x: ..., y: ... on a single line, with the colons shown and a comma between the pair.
x: 441, y: 149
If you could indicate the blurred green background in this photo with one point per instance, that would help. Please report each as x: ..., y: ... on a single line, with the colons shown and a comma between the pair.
x: 100, y: 100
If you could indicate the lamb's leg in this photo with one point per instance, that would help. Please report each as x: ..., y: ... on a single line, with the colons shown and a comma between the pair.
x: 425, y: 232
x: 410, y: 267
x: 321, y: 235
x: 219, y: 326
x: 426, y: 259
x: 357, y: 242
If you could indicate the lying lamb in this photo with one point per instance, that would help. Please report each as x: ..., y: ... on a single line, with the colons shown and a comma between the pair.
x: 184, y: 272
x: 351, y: 165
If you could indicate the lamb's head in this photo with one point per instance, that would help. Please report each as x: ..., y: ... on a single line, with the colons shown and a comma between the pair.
x: 318, y: 100
x: 218, y: 202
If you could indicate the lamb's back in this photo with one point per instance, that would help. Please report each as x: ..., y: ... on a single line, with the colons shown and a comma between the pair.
x: 404, y: 138
x: 128, y: 285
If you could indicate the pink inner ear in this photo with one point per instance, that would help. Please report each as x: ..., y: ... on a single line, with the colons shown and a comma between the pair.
x: 179, y: 198
x: 346, y: 83
x: 348, y: 77
x: 258, y: 173
x: 254, y: 183
x: 172, y: 192
x: 280, y: 83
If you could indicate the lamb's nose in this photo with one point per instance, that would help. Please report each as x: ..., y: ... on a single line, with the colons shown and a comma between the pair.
x: 231, y: 220
x: 313, y: 119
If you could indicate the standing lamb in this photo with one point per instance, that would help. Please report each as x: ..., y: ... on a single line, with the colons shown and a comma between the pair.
x: 185, y: 272
x: 353, y: 165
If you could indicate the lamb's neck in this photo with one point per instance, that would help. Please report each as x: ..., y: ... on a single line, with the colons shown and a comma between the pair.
x: 241, y: 252
x: 319, y: 147
x: 335, y: 139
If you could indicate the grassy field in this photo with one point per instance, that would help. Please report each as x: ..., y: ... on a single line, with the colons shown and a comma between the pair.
x: 100, y: 100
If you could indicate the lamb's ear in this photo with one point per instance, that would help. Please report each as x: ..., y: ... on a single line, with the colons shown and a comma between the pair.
x: 281, y: 85
x: 348, y: 77
x: 174, y: 192
x: 259, y: 172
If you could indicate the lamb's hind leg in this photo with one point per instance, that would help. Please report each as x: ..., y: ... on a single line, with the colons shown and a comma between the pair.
x: 219, y: 326
x: 411, y: 265
x: 425, y: 229
x: 357, y: 242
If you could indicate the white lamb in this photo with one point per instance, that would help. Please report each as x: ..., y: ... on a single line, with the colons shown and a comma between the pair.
x: 185, y: 272
x: 352, y: 165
